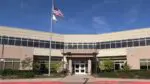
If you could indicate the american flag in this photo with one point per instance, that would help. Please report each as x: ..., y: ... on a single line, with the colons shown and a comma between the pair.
x: 57, y: 12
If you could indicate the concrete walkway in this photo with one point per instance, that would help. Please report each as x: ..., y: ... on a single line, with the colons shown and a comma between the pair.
x: 81, y: 79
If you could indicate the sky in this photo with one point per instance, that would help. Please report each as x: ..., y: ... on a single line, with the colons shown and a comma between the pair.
x: 80, y: 16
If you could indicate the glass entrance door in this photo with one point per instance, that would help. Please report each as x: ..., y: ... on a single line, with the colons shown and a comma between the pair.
x: 80, y: 68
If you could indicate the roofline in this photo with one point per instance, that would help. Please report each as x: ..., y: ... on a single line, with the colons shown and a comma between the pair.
x: 9, y: 27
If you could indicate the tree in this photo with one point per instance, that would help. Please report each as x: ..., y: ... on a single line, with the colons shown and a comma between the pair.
x: 56, y: 66
x: 126, y: 67
x: 106, y: 65
x: 27, y: 63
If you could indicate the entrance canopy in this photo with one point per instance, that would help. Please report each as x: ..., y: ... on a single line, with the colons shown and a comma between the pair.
x: 80, y: 53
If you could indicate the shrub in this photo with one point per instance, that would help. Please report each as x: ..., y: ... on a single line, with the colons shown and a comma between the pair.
x: 55, y: 66
x: 26, y: 74
x: 106, y: 65
x: 7, y: 72
x: 142, y: 74
x: 26, y: 63
x: 126, y: 67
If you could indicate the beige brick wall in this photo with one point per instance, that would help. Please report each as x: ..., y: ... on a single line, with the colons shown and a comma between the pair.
x: 16, y: 52
x: 135, y: 54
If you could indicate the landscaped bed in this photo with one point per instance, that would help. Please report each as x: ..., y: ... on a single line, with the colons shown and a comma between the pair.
x: 136, y: 74
x: 18, y: 74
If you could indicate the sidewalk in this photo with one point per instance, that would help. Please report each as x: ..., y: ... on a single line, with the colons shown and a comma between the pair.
x: 74, y: 78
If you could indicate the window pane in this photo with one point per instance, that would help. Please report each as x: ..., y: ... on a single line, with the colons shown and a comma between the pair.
x: 102, y: 45
x: 98, y: 45
x: 11, y: 41
x: 0, y: 40
x: 143, y: 65
x: 18, y: 42
x: 1, y: 65
x: 36, y: 43
x: 62, y: 45
x: 57, y: 45
x: 91, y: 46
x: 124, y: 44
x: 8, y: 65
x: 113, y: 45
x: 30, y: 43
x: 142, y: 42
x: 47, y: 44
x: 24, y: 43
x: 53, y: 45
x: 41, y: 44
x: 148, y: 41
x: 4, y: 40
x: 85, y: 46
x: 16, y: 65
x: 107, y: 45
x: 130, y: 44
x: 69, y: 46
x: 74, y: 46
x: 136, y: 43
x: 79, y: 46
x: 118, y: 44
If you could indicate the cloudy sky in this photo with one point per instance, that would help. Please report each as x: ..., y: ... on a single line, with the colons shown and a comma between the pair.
x: 80, y: 16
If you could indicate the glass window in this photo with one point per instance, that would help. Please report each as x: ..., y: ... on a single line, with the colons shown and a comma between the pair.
x: 135, y: 42
x: 91, y: 46
x: 98, y: 45
x: 11, y: 41
x: 74, y: 46
x: 36, y: 43
x: 8, y: 65
x: 107, y: 45
x: 143, y: 65
x: 47, y: 44
x: 118, y: 44
x: 58, y: 45
x: 16, y: 65
x: 113, y: 44
x: 124, y: 43
x: 85, y: 46
x: 18, y: 42
x: 147, y: 41
x: 30, y: 43
x: 66, y: 46
x: 62, y: 45
x: 53, y: 45
x: 0, y: 39
x: 130, y: 43
x: 1, y: 65
x: 4, y: 40
x: 102, y: 45
x: 24, y: 42
x: 142, y: 42
x: 80, y: 46
x: 42, y: 44
x: 148, y: 65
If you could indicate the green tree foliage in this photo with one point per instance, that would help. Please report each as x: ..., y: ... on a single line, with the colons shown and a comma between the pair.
x: 27, y: 63
x: 55, y: 66
x: 126, y: 67
x: 106, y: 65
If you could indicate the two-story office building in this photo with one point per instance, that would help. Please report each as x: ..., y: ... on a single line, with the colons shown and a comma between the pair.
x: 80, y: 52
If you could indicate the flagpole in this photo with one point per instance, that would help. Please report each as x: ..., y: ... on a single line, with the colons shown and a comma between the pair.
x: 50, y: 39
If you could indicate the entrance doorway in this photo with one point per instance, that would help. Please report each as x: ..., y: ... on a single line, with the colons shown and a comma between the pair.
x: 80, y: 68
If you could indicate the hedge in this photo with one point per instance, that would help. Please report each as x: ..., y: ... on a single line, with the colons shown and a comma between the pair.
x: 141, y: 74
x: 8, y: 73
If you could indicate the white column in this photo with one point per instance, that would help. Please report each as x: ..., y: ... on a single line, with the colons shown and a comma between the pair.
x: 70, y: 66
x: 65, y: 62
x: 89, y: 66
